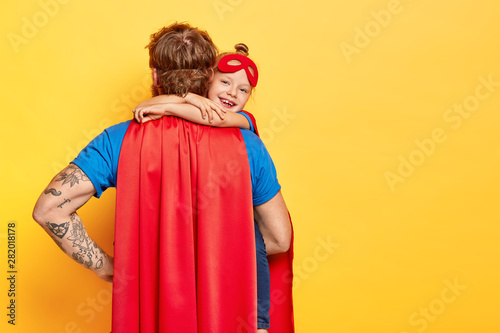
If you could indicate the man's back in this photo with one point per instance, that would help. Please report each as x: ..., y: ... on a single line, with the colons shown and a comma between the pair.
x: 220, y: 182
x: 184, y: 234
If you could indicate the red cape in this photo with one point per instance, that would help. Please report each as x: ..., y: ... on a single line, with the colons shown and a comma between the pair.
x: 281, y: 269
x: 184, y: 239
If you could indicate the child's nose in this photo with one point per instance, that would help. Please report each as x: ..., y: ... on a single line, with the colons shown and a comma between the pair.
x: 232, y: 91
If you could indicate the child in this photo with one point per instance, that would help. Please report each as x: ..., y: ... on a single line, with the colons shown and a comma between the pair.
x: 231, y: 76
x: 234, y: 79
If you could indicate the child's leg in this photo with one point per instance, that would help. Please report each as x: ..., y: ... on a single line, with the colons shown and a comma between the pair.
x: 263, y: 283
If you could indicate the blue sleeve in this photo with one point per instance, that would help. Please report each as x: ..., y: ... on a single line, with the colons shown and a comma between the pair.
x: 99, y: 160
x: 252, y: 129
x: 265, y: 183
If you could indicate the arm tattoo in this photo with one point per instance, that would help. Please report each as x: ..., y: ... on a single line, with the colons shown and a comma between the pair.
x: 59, y: 244
x: 72, y: 175
x: 65, y: 200
x: 99, y: 264
x: 58, y: 229
x: 53, y: 192
x: 88, y: 251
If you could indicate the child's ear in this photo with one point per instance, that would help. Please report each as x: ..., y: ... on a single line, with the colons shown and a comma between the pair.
x: 155, y: 77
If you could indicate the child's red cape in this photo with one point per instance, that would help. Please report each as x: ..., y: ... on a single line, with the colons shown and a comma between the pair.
x: 184, y: 237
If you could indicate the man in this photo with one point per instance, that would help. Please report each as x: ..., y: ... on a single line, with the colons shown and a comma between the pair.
x: 172, y: 235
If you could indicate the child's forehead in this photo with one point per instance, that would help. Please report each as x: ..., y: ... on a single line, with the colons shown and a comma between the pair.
x: 236, y: 62
x: 239, y: 75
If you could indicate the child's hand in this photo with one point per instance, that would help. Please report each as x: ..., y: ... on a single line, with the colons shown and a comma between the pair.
x: 150, y: 112
x: 206, y: 106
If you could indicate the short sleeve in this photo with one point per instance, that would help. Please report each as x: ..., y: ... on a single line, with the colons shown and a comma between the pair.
x: 265, y: 183
x: 252, y: 129
x: 99, y: 159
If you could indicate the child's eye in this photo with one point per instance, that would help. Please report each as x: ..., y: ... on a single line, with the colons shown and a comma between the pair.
x: 243, y: 90
x: 224, y: 82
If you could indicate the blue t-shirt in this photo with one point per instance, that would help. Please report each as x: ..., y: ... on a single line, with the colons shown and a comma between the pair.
x: 99, y: 161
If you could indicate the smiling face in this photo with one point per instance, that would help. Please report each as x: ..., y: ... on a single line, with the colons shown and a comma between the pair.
x: 231, y: 90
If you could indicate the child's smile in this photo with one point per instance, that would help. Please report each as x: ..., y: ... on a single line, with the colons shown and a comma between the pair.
x: 230, y: 90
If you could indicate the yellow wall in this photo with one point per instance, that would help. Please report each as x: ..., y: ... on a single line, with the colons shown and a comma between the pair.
x: 381, y: 116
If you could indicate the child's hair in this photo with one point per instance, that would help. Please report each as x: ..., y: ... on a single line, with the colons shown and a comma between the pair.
x: 184, y: 58
x: 240, y: 48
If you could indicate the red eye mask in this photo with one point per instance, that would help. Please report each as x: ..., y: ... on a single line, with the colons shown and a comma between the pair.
x: 245, y: 62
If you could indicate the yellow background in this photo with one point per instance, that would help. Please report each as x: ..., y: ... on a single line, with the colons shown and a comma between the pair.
x: 350, y: 94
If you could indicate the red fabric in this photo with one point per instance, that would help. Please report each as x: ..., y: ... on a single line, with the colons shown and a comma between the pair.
x: 254, y: 122
x: 184, y: 235
x: 281, y: 312
x: 245, y: 62
x: 281, y: 269
x: 176, y: 271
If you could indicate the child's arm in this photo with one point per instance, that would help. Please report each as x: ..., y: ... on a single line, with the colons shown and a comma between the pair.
x: 205, y: 106
x: 191, y: 113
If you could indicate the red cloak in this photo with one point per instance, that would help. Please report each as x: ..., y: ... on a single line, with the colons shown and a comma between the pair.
x: 184, y: 238
x: 281, y: 269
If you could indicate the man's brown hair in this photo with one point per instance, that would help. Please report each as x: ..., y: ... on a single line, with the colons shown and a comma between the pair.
x: 184, y: 58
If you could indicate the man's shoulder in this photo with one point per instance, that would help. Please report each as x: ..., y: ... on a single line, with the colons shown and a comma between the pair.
x: 113, y: 135
x: 256, y: 149
x: 118, y: 129
x: 251, y: 139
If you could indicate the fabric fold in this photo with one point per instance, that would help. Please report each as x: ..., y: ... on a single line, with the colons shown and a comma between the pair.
x: 184, y: 238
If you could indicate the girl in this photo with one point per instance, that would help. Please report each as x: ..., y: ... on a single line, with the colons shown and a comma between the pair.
x: 235, y: 77
x: 229, y: 91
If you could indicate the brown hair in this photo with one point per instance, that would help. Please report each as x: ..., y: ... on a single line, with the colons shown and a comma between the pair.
x: 184, y: 57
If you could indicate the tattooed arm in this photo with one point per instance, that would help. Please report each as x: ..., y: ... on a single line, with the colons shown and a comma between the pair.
x: 55, y: 211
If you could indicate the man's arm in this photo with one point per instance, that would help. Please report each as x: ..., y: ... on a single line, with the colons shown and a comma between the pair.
x: 55, y: 211
x: 274, y: 224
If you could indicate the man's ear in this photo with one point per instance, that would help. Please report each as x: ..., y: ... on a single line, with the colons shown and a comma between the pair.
x: 155, y: 77
x: 211, y: 75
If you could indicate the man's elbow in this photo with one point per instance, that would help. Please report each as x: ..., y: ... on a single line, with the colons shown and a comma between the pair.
x: 282, y: 244
x: 282, y: 247
x: 285, y: 239
x: 41, y: 212
x: 37, y: 215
